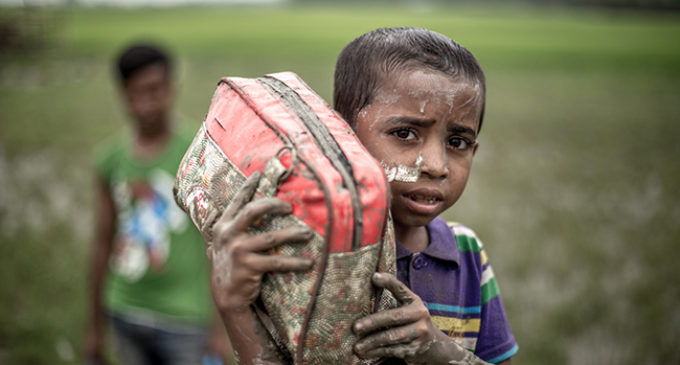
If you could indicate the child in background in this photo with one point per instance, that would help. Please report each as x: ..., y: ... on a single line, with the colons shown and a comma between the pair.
x: 416, y: 100
x: 149, y: 270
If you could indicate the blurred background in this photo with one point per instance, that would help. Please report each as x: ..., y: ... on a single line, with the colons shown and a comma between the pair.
x: 575, y: 190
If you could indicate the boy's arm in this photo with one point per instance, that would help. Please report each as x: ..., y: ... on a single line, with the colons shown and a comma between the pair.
x: 407, y: 332
x: 218, y: 343
x: 101, y: 251
x: 238, y: 263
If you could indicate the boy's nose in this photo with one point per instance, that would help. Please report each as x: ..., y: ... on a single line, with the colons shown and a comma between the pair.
x: 434, y: 162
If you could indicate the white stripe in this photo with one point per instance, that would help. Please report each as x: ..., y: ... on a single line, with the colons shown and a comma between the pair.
x: 470, y: 343
x: 461, y: 230
x: 487, y: 275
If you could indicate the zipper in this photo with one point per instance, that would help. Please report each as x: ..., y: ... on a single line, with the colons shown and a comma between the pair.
x: 324, y: 139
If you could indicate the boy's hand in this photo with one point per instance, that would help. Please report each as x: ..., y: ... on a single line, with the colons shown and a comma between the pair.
x: 403, y: 332
x: 237, y: 256
x: 406, y: 332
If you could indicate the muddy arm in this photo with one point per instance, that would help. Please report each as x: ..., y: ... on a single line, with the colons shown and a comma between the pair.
x: 238, y: 262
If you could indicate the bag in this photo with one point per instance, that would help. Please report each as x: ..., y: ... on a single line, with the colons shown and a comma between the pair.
x: 311, y: 158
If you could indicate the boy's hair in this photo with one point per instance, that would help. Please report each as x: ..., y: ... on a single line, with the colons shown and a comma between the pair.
x: 139, y: 56
x: 368, y: 59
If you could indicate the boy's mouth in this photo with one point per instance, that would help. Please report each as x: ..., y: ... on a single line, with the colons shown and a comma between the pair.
x: 423, y: 201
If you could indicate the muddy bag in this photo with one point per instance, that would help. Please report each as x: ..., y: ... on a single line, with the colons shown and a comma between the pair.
x: 311, y: 158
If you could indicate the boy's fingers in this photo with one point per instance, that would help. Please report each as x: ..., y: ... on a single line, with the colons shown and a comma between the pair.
x: 269, y: 240
x: 387, y: 338
x: 252, y: 211
x: 399, y: 351
x: 277, y: 263
x: 385, y: 319
x: 390, y: 282
x: 243, y: 196
x: 226, y: 228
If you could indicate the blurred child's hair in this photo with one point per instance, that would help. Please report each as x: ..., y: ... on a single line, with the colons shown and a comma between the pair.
x: 368, y: 59
x: 138, y: 56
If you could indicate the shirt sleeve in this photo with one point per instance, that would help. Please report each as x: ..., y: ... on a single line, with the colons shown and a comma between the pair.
x: 496, y: 342
x: 104, y: 156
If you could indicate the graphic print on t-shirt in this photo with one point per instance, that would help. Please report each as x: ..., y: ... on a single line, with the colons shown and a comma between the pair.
x: 147, y: 215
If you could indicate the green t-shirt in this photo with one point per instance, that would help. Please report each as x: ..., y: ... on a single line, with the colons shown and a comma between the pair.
x: 158, y: 265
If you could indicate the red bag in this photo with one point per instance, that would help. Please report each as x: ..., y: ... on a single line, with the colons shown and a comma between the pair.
x: 311, y: 158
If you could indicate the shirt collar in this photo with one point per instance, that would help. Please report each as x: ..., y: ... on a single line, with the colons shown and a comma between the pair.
x: 402, y: 252
x: 442, y: 245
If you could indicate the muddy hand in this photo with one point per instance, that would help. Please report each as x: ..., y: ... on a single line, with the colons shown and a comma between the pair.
x: 238, y: 261
x: 403, y: 332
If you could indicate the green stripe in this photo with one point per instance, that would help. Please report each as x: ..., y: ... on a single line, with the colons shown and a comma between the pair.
x: 467, y: 243
x: 489, y: 290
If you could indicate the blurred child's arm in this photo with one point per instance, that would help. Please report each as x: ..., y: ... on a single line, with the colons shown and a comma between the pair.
x: 101, y: 251
x: 239, y: 262
x: 407, y: 332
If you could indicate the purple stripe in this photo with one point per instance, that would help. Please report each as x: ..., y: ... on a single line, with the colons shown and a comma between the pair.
x: 455, y: 315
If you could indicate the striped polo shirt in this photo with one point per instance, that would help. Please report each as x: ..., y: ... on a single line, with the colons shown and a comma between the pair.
x: 454, y: 279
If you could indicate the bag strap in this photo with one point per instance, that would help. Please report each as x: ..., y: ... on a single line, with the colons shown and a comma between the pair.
x: 268, y: 324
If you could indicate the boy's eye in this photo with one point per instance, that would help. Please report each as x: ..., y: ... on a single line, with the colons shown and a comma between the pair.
x: 405, y: 134
x: 460, y: 143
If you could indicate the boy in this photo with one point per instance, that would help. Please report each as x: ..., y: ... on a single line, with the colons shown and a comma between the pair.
x: 149, y: 273
x: 416, y: 100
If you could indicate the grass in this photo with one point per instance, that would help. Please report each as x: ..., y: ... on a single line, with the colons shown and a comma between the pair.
x: 574, y: 189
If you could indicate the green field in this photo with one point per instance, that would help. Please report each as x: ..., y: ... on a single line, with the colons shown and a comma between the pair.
x: 575, y: 189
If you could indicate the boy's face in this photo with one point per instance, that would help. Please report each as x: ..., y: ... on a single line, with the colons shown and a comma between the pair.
x: 426, y: 122
x: 148, y: 96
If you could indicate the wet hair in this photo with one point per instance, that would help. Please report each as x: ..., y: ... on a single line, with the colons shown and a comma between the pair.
x: 370, y: 58
x: 139, y: 56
